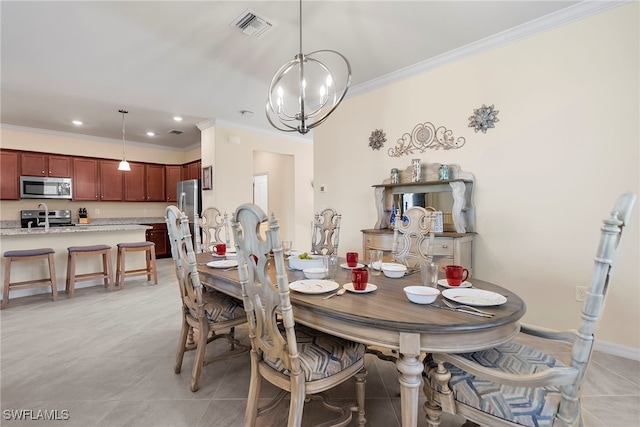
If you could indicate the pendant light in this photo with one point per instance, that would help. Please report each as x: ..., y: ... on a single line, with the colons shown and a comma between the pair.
x: 124, y: 165
x: 307, y: 85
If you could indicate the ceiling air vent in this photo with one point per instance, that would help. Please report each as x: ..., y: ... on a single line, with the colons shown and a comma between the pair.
x: 175, y: 132
x: 251, y: 24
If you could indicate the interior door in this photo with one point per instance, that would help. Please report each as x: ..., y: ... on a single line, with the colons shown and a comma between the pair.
x: 261, y: 191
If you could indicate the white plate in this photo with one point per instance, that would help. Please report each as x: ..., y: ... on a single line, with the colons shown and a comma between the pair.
x: 477, y: 297
x: 226, y: 263
x: 370, y: 288
x: 215, y: 255
x: 443, y: 282
x: 313, y: 286
x: 345, y: 265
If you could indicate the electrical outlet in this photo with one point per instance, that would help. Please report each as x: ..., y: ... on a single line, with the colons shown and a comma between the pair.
x: 581, y: 293
x: 323, y: 188
x: 96, y: 211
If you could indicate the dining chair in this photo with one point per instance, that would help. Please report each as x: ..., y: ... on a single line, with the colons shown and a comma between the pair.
x: 326, y: 232
x: 206, y: 316
x: 413, y: 236
x: 299, y: 360
x: 215, y: 228
x: 517, y: 385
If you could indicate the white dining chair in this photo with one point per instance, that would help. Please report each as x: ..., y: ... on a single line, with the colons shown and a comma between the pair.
x: 326, y: 232
x: 301, y: 361
x: 206, y: 316
x: 412, y: 237
x: 215, y: 228
x: 517, y: 385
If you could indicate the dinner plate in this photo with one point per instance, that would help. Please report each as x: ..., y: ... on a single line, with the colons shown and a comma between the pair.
x: 313, y: 286
x: 225, y: 263
x: 370, y: 288
x: 444, y: 283
x: 215, y: 255
x: 345, y: 265
x: 477, y: 297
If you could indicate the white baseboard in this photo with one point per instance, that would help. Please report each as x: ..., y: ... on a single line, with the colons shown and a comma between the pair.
x: 618, y: 350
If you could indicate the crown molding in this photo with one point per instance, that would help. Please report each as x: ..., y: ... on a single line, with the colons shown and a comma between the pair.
x: 553, y: 20
x: 307, y: 139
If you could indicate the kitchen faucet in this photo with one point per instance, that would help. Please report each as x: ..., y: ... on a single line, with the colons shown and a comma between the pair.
x: 46, y: 216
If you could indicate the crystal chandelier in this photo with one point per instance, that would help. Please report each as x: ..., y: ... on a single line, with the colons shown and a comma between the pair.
x: 124, y: 165
x: 303, y: 93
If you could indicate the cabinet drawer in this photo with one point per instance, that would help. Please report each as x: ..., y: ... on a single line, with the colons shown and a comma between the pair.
x: 379, y: 241
x: 443, y: 246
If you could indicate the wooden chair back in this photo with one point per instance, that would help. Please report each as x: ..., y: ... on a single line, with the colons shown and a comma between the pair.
x: 413, y: 237
x: 215, y: 228
x: 326, y: 232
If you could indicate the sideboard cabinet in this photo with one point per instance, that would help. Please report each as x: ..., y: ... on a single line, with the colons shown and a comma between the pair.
x: 450, y: 247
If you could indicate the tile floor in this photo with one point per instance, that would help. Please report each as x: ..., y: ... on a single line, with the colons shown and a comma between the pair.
x: 106, y: 359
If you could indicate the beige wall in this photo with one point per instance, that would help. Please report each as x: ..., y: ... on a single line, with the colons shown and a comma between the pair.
x: 566, y: 145
x: 231, y: 152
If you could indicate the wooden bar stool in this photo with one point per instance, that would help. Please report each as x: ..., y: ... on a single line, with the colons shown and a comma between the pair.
x: 150, y: 257
x: 29, y: 255
x: 107, y: 266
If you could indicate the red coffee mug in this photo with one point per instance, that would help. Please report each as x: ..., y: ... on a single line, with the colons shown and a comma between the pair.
x: 221, y: 249
x: 455, y: 273
x: 359, y: 278
x: 352, y: 259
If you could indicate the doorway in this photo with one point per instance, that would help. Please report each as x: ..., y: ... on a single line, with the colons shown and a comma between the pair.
x: 261, y: 191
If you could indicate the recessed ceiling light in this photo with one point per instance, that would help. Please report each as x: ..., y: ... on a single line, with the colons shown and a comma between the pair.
x: 151, y: 134
x: 177, y: 118
x: 76, y: 122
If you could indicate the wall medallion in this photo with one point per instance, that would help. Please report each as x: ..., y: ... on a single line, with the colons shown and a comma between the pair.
x: 483, y: 118
x: 424, y: 136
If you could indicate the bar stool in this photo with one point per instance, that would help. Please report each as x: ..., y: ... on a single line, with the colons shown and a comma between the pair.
x: 150, y: 257
x: 107, y: 266
x: 29, y: 255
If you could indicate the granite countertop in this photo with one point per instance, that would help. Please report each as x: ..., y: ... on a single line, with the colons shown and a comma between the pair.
x: 13, y: 228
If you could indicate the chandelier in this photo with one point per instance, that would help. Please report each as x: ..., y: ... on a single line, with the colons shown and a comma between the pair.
x: 124, y: 165
x: 303, y: 93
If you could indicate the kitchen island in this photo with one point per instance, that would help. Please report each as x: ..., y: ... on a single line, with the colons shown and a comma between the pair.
x: 59, y: 239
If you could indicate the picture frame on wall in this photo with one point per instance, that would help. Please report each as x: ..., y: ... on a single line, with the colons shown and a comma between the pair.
x: 207, y: 179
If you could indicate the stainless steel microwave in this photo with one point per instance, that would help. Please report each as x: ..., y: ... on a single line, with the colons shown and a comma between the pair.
x: 37, y: 187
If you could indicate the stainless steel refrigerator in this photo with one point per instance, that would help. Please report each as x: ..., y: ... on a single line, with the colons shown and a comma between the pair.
x: 190, y: 202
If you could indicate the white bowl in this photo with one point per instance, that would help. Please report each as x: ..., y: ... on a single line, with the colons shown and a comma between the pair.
x: 393, y: 269
x: 421, y: 294
x: 315, y: 273
x: 300, y: 264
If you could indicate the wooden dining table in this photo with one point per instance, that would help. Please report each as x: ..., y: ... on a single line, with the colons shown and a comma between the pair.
x: 386, y: 318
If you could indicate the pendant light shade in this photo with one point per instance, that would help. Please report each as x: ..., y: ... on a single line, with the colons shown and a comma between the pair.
x: 124, y: 165
x: 305, y: 91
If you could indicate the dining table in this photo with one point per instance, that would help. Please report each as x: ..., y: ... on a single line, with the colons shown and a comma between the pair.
x: 386, y: 319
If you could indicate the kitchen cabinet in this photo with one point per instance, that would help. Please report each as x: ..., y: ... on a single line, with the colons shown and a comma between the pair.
x: 85, y: 179
x: 159, y: 235
x: 134, y: 190
x: 192, y: 170
x: 9, y: 175
x: 40, y: 164
x: 173, y: 174
x: 111, y: 181
x: 155, y: 183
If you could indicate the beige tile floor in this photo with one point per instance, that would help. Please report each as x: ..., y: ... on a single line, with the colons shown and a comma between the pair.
x: 106, y: 358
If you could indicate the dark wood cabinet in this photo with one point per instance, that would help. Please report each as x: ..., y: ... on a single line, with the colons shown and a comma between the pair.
x: 155, y: 183
x: 38, y: 164
x: 173, y: 175
x: 9, y: 175
x: 160, y: 236
x: 85, y: 179
x: 111, y: 181
x: 192, y: 170
x: 134, y: 183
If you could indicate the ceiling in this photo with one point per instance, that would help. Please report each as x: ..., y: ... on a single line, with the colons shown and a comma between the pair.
x: 85, y: 60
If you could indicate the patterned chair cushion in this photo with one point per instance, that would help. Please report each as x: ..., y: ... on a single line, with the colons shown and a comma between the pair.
x: 535, y: 407
x: 220, y: 307
x: 321, y: 355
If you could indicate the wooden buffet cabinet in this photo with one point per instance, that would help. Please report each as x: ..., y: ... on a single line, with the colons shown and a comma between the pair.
x: 450, y: 247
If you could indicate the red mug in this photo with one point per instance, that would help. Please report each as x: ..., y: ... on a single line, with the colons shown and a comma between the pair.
x: 352, y: 259
x: 221, y: 249
x: 359, y: 278
x: 455, y: 273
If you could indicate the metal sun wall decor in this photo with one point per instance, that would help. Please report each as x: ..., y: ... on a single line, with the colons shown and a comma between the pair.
x: 426, y: 135
x: 377, y: 139
x: 483, y: 118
